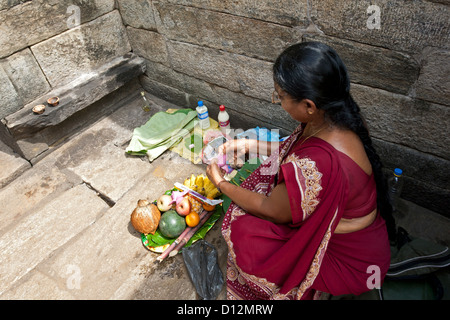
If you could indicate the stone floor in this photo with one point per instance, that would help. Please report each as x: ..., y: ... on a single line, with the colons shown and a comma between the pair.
x: 65, y: 229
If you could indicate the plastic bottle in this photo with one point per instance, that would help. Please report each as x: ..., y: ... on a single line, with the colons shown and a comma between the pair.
x: 146, y: 106
x: 224, y: 119
x: 395, y: 184
x: 203, y: 116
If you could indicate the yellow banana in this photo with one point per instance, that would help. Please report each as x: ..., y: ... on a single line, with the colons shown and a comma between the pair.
x: 214, y: 193
x: 192, y: 183
x: 199, y: 180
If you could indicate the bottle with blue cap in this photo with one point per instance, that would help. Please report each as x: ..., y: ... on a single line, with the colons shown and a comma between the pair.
x: 203, y: 116
x: 395, y: 185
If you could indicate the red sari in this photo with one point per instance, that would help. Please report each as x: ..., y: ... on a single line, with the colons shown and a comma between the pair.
x: 304, y: 258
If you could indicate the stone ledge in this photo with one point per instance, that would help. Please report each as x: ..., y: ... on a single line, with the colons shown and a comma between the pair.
x: 74, y: 97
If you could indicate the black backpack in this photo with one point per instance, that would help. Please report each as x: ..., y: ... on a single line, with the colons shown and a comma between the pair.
x: 414, y: 269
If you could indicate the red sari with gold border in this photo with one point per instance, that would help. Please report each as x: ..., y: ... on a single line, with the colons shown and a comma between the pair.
x: 302, y: 259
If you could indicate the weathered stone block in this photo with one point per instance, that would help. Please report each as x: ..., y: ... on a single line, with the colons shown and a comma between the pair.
x: 12, y: 166
x: 426, y: 178
x: 6, y: 4
x: 236, y: 72
x: 420, y: 125
x: 37, y: 236
x: 434, y: 80
x: 167, y: 76
x: 224, y: 31
x: 404, y: 26
x: 167, y: 83
x: 31, y: 190
x: 26, y: 75
x: 262, y: 111
x: 76, y: 96
x: 34, y: 21
x: 137, y: 14
x: 372, y: 66
x: 290, y: 12
x: 77, y: 52
x: 163, y: 91
x: 148, y: 44
x: 10, y: 99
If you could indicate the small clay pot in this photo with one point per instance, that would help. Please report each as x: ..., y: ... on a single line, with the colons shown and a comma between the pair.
x: 39, y: 109
x: 53, y: 101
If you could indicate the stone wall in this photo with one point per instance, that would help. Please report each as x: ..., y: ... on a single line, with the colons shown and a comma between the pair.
x: 57, y: 48
x: 44, y: 44
x: 221, y: 51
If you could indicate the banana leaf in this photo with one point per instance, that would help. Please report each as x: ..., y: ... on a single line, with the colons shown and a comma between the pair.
x: 240, y: 176
x: 158, y: 240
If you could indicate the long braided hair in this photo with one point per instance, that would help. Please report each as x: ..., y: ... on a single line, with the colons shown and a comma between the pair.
x: 314, y: 71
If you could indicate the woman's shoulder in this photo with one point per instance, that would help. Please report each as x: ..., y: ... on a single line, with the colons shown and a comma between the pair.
x: 312, y: 154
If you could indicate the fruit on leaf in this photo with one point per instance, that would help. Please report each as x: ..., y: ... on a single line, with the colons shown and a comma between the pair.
x: 164, y: 202
x: 183, y: 207
x: 145, y: 217
x: 207, y: 206
x: 199, y: 181
x: 172, y: 224
x: 196, y: 205
x: 178, y: 195
x: 202, y: 185
x: 192, y: 219
x: 214, y: 193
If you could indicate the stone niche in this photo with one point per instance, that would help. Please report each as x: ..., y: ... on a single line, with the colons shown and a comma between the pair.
x: 30, y: 134
x: 82, y: 66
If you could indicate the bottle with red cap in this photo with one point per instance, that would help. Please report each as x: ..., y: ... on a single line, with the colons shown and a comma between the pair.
x: 224, y: 119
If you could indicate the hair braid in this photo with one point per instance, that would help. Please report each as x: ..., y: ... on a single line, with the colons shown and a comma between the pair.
x: 350, y: 117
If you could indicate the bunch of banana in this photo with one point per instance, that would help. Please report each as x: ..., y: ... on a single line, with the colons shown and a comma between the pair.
x: 202, y: 185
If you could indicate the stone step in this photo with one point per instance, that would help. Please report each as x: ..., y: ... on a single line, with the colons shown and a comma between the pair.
x: 82, y: 93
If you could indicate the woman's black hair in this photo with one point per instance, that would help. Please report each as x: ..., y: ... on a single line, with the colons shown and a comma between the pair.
x: 314, y: 71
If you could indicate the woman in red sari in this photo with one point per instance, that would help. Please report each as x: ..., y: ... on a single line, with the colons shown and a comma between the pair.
x: 312, y: 218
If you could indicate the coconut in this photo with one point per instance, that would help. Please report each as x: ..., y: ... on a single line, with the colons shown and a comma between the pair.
x: 145, y: 217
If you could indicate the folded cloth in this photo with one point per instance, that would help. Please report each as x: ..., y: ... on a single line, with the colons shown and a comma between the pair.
x: 161, y: 132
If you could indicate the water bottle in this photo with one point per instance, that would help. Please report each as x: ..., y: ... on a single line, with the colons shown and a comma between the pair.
x: 395, y: 184
x: 224, y: 119
x: 146, y: 106
x: 203, y: 116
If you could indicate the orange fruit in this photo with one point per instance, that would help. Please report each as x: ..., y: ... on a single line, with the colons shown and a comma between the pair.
x: 192, y: 219
x: 207, y: 206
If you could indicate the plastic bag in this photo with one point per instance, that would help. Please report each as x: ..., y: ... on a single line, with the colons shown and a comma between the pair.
x: 203, y: 268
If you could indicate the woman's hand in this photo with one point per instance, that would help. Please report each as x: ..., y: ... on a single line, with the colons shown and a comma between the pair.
x: 235, y: 150
x: 215, y: 173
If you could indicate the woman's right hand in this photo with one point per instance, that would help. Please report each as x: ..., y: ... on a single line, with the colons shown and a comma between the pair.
x: 236, y: 149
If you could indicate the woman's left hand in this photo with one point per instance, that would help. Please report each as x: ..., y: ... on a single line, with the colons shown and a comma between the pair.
x: 215, y: 173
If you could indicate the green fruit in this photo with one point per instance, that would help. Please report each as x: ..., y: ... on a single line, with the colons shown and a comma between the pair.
x: 171, y: 224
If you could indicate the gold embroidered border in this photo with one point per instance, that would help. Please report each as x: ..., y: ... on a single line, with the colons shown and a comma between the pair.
x: 313, y: 180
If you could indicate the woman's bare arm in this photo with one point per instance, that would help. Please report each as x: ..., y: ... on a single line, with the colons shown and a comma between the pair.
x: 275, y: 208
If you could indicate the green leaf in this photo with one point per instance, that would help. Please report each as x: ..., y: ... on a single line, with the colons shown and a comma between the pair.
x: 201, y: 233
x: 157, y: 239
x: 248, y: 167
